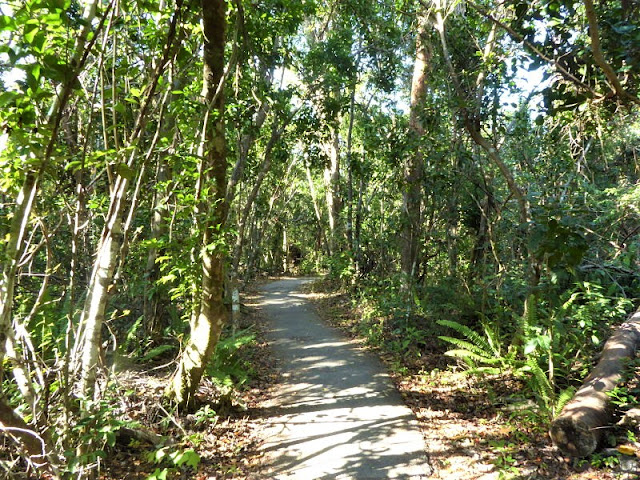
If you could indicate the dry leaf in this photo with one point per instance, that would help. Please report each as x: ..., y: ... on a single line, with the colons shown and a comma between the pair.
x: 627, y: 449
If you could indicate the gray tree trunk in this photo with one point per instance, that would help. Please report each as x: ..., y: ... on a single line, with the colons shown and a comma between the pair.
x: 413, y: 169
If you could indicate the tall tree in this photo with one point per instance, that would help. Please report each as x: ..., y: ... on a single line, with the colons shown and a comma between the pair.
x: 413, y: 169
x: 112, y: 236
x: 206, y: 325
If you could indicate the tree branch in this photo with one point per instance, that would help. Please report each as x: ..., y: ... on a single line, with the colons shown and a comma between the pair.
x: 536, y: 51
x: 598, y: 56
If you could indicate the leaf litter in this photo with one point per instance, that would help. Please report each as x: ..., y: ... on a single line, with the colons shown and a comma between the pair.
x: 476, y: 428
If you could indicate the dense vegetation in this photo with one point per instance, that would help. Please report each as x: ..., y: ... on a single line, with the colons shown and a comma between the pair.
x: 467, y: 170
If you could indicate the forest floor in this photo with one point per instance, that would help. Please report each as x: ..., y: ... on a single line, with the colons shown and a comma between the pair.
x: 223, y: 429
x: 472, y: 426
x: 476, y: 428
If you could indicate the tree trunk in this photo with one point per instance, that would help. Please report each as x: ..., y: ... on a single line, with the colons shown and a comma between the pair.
x: 358, y: 227
x: 24, y: 203
x: 242, y: 221
x: 413, y: 170
x: 93, y: 313
x: 580, y: 426
x: 156, y: 298
x: 349, y: 227
x: 36, y: 446
x: 332, y: 185
x: 316, y: 209
x: 207, y: 325
x: 246, y: 210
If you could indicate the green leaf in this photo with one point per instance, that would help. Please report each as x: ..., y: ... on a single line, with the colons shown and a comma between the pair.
x: 155, y: 352
x: 7, y: 98
x: 188, y: 457
x: 159, y: 474
x: 30, y: 31
x: 7, y: 23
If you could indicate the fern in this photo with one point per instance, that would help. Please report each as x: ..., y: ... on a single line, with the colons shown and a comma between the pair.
x: 550, y: 402
x: 530, y: 316
x: 473, y: 350
x: 562, y: 400
x: 468, y: 355
x: 540, y: 383
x: 471, y: 335
x: 479, y: 354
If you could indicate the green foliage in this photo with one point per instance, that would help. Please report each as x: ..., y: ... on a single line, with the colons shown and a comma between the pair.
x: 342, y: 267
x: 549, y: 402
x: 178, y: 459
x: 480, y: 354
x: 94, y: 433
x: 574, y: 154
x: 623, y: 397
x: 230, y: 365
x: 156, y: 352
x: 205, y: 414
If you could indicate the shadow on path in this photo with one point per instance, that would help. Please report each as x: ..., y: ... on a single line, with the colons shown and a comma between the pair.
x: 336, y: 414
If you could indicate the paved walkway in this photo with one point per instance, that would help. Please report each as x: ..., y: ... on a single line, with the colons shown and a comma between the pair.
x: 337, y: 415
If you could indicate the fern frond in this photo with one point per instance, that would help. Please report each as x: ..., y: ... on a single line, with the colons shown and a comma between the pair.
x: 466, y: 354
x: 541, y: 385
x: 465, y: 345
x: 565, y: 396
x: 493, y: 339
x: 470, y: 334
x: 530, y: 316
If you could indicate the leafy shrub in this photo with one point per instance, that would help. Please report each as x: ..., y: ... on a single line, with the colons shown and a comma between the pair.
x: 229, y: 367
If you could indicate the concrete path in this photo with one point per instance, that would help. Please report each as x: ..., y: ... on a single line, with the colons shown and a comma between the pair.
x: 337, y: 415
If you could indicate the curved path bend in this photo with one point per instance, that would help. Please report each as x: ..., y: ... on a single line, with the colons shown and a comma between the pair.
x: 336, y: 414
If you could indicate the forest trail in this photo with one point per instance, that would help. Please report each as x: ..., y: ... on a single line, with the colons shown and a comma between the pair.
x: 336, y: 413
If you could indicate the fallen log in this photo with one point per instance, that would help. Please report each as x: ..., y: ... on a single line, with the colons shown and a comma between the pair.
x: 579, y: 428
x: 125, y: 435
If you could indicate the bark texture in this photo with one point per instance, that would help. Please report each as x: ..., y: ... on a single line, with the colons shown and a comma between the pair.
x: 413, y: 170
x: 332, y: 194
x: 579, y: 428
x: 207, y: 325
x: 93, y: 313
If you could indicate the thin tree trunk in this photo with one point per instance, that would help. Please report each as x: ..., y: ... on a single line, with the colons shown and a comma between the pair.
x: 472, y: 124
x: 24, y: 203
x: 207, y: 326
x: 332, y: 185
x: 316, y: 209
x: 156, y: 298
x: 598, y: 56
x: 93, y: 314
x: 413, y: 170
x: 242, y: 222
x: 473, y: 127
x: 357, y: 249
x: 349, y: 228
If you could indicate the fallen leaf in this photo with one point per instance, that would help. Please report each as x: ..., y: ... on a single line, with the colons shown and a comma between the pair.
x: 627, y: 450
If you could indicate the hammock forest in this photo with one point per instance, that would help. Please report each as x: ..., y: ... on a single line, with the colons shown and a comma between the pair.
x: 459, y: 178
